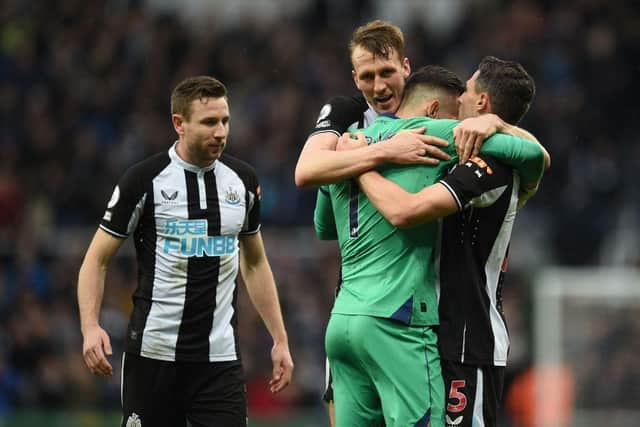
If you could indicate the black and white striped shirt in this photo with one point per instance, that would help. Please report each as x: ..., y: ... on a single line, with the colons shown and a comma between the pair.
x: 185, y: 222
x: 473, y: 253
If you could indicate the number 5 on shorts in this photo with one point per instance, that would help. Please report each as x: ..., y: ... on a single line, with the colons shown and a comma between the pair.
x: 455, y: 395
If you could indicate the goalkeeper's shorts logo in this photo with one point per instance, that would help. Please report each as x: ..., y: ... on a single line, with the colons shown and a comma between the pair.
x: 134, y: 420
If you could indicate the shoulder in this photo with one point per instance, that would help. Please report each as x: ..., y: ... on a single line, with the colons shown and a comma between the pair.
x: 355, y: 101
x: 148, y: 168
x: 244, y: 170
x: 343, y: 105
x: 340, y: 113
x: 442, y: 128
x: 441, y: 125
x: 413, y: 122
x: 152, y: 164
x: 386, y: 122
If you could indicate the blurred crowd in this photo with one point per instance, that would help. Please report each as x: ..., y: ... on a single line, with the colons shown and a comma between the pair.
x: 84, y: 93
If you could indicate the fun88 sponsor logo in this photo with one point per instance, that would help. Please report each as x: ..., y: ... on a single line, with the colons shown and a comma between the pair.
x: 188, y: 237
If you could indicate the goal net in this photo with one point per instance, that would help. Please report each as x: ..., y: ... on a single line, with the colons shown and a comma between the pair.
x: 587, y: 324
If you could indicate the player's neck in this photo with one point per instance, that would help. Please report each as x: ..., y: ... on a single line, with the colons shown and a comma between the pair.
x: 406, y: 111
x: 183, y: 152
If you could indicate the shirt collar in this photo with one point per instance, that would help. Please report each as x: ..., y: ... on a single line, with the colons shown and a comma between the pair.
x: 173, y: 154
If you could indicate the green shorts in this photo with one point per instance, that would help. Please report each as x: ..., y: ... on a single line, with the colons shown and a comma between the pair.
x: 384, y: 373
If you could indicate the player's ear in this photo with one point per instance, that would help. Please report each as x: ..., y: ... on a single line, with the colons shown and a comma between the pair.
x: 483, y: 103
x: 432, y: 108
x: 406, y: 68
x: 178, y: 122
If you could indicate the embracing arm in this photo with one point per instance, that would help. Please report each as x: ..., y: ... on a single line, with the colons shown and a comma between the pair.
x: 524, y: 134
x: 403, y: 209
x: 479, y: 182
x: 262, y: 291
x: 96, y: 344
x: 319, y: 162
x: 525, y: 156
x: 470, y: 133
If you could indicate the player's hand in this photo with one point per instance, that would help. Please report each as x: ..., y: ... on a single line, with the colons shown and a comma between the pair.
x: 95, y: 349
x: 351, y: 141
x: 282, y: 367
x: 410, y: 146
x: 470, y: 134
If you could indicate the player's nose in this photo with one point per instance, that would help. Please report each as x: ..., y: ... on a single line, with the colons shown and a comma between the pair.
x: 220, y: 131
x: 379, y: 84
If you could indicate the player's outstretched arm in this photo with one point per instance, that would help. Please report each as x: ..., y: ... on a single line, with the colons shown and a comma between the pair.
x: 320, y: 164
x: 261, y: 287
x: 96, y: 344
x: 470, y: 133
x: 403, y: 209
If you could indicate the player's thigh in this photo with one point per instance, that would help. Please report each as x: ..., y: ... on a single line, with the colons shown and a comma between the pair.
x: 215, y: 394
x: 149, y: 393
x: 405, y: 365
x: 355, y: 398
x: 473, y: 393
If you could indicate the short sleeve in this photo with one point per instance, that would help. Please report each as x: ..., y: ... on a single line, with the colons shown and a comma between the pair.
x: 339, y: 113
x: 125, y: 206
x: 478, y: 182
x: 128, y: 199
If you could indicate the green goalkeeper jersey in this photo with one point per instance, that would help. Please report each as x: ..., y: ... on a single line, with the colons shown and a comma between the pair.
x: 389, y: 272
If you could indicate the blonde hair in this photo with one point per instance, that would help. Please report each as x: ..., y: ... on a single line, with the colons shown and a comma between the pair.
x: 379, y: 38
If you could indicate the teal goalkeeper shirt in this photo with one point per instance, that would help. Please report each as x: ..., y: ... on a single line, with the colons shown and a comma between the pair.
x: 389, y: 272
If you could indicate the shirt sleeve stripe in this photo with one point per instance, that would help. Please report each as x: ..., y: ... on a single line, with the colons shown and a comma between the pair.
x: 122, y: 236
x: 325, y: 131
x: 244, y: 233
x: 453, y: 193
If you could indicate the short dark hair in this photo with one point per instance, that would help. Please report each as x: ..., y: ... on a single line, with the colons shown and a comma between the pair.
x: 193, y: 88
x: 435, y: 77
x: 509, y: 86
x: 378, y: 37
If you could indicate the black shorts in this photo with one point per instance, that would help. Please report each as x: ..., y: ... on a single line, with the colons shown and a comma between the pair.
x: 473, y: 393
x: 167, y: 394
